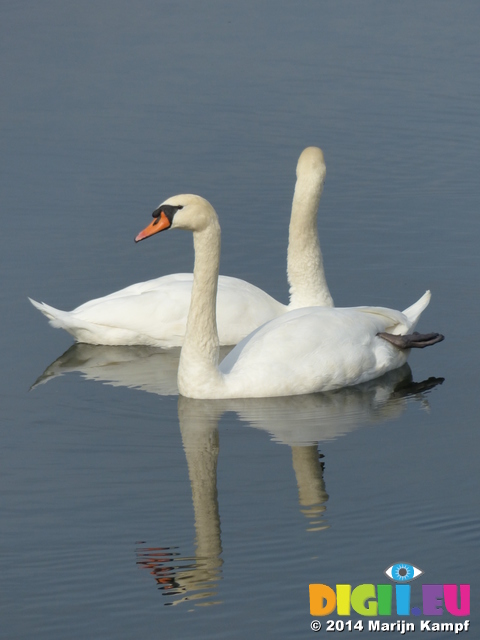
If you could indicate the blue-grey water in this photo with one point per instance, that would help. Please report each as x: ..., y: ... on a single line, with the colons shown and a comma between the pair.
x: 117, y: 497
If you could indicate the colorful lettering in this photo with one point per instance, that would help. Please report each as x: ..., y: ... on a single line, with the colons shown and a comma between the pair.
x: 361, y: 595
x: 402, y: 595
x: 451, y: 599
x: 371, y: 600
x: 432, y: 599
x: 322, y: 599
x: 343, y: 599
x: 384, y: 596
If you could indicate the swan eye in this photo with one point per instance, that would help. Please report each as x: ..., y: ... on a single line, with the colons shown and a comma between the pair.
x: 168, y: 209
x: 403, y: 572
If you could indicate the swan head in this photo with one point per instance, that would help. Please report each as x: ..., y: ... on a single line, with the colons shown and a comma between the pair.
x: 186, y: 211
x: 311, y: 163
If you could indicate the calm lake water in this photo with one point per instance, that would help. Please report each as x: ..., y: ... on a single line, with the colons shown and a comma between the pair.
x: 120, y: 498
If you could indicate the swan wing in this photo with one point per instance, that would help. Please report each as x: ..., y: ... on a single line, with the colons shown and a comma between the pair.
x: 155, y: 312
x: 313, y: 349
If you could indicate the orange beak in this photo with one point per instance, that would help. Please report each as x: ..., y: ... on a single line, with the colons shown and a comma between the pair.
x: 158, y: 224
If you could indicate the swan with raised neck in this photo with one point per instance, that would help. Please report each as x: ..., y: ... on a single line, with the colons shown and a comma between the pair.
x: 154, y: 312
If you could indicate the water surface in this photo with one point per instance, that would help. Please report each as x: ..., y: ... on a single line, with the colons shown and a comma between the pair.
x: 118, y: 497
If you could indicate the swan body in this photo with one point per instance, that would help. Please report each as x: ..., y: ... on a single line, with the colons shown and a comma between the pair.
x: 302, y: 351
x: 154, y: 313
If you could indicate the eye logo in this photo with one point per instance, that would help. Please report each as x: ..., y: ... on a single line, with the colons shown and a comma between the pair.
x: 403, y: 572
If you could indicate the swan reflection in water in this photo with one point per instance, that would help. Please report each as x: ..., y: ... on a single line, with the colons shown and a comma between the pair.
x: 301, y: 422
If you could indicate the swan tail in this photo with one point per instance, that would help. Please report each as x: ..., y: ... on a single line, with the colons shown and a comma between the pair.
x: 54, y: 315
x: 59, y: 319
x: 414, y: 312
x: 86, y: 331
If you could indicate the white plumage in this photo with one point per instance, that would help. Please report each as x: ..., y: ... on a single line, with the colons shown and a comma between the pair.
x: 302, y: 351
x: 155, y: 312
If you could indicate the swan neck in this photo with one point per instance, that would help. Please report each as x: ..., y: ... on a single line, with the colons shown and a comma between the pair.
x: 199, y: 357
x: 306, y: 275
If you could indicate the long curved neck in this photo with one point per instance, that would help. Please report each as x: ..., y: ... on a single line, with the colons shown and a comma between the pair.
x: 199, y: 357
x: 306, y: 276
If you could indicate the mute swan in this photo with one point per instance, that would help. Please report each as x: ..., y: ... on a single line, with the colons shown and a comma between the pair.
x: 303, y: 351
x: 154, y: 313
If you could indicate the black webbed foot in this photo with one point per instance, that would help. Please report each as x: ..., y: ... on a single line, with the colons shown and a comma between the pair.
x: 412, y: 340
